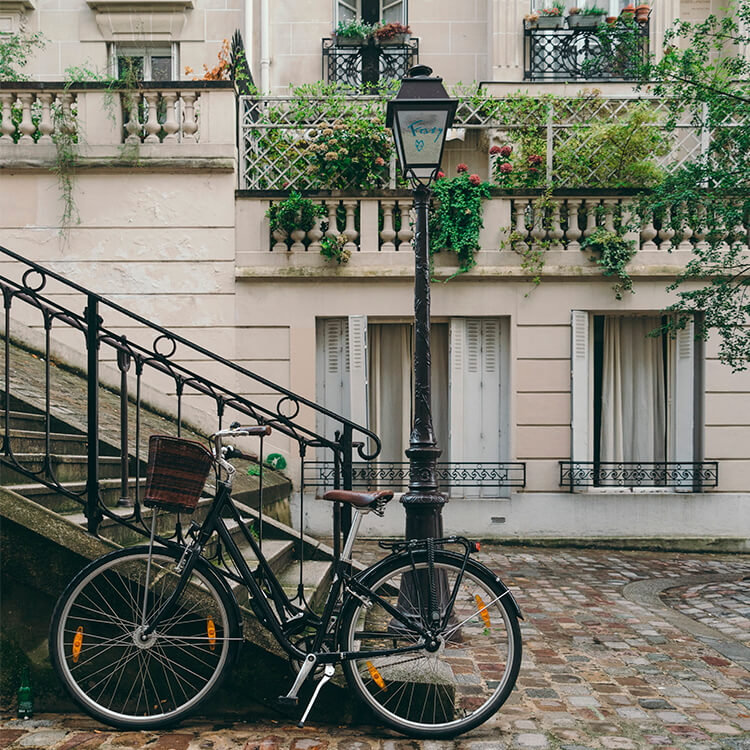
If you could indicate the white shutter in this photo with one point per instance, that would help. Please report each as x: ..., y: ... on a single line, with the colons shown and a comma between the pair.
x: 333, y: 372
x: 358, y: 411
x: 475, y: 393
x: 683, y: 397
x: 580, y: 397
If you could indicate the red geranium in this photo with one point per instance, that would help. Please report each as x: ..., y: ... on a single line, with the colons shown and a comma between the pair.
x: 494, y: 150
x: 506, y: 167
x: 440, y: 175
x: 462, y: 168
x: 535, y: 159
x: 475, y: 179
x: 506, y: 151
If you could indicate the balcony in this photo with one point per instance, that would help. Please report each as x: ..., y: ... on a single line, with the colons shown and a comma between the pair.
x: 363, y: 66
x: 680, y: 476
x: 582, y: 54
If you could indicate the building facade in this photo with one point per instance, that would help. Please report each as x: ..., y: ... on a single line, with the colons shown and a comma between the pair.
x: 558, y: 415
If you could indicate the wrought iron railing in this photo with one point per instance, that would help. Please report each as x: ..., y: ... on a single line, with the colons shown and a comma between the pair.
x: 369, y: 64
x: 575, y: 54
x: 176, y: 365
x: 395, y: 474
x: 683, y: 476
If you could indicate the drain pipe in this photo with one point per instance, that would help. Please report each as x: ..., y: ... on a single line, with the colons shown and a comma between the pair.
x: 249, y: 33
x: 265, y: 43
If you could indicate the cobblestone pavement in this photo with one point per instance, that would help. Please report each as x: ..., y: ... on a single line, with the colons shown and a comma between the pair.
x: 601, y: 669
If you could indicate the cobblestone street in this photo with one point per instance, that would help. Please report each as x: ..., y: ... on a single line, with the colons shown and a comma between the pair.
x: 609, y: 662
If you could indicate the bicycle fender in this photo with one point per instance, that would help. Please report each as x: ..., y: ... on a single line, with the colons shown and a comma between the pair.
x: 374, y: 570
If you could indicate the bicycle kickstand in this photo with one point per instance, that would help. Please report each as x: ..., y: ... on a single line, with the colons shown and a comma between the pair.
x: 327, y: 674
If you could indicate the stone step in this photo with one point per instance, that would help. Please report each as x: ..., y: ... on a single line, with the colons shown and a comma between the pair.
x: 278, y: 553
x: 316, y: 579
x: 65, y: 467
x: 32, y: 441
x: 21, y: 420
x: 60, y: 503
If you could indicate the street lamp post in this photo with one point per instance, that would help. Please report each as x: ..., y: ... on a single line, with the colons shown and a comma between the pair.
x: 419, y: 117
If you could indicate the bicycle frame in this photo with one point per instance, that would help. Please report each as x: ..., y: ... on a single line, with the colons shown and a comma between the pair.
x: 259, y: 602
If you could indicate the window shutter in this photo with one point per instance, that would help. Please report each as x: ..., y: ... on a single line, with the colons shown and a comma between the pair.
x: 580, y: 398
x: 358, y: 410
x: 683, y: 398
x: 333, y: 372
x: 475, y: 393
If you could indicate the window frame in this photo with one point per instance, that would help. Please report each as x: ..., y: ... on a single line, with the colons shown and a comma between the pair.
x: 356, y: 5
x: 146, y: 52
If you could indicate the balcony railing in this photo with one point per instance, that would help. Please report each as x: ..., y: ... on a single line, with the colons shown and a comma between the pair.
x: 183, y: 114
x: 681, y: 476
x: 364, y: 66
x: 580, y: 54
x: 370, y: 475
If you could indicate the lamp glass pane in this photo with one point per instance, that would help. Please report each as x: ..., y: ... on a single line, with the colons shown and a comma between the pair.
x: 421, y: 134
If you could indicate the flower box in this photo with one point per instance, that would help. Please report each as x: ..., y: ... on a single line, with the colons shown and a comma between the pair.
x: 550, y: 22
x: 349, y: 41
x: 580, y: 21
x: 396, y: 39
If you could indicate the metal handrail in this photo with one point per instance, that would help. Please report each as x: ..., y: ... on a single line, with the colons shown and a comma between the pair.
x: 282, y: 416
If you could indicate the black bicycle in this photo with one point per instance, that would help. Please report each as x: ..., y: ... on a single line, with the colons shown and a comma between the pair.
x: 428, y: 638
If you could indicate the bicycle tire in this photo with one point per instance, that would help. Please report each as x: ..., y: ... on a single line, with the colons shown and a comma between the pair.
x: 109, y: 672
x: 463, y: 683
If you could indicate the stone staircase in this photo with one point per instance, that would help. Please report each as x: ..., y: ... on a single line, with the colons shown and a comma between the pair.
x: 68, y: 461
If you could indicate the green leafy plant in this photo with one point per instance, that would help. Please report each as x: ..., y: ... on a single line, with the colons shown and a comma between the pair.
x: 334, y: 248
x: 456, y: 216
x: 293, y: 213
x: 350, y: 153
x: 594, y: 11
x: 353, y: 30
x: 557, y: 9
x: 15, y: 51
x: 614, y: 253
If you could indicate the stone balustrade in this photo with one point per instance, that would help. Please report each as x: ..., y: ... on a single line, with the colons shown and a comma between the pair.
x: 378, y: 233
x: 175, y: 113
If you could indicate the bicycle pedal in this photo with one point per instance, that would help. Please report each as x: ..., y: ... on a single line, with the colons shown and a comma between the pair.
x: 285, y: 700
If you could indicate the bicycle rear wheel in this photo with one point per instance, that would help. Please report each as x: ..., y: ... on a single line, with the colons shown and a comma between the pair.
x: 452, y: 689
x: 121, y: 679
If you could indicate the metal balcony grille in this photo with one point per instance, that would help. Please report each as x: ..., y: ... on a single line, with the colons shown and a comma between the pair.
x: 395, y: 474
x: 363, y: 67
x: 573, y: 54
x: 682, y: 476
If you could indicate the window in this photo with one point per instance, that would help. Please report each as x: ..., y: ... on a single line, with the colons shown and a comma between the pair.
x: 371, y: 11
x: 365, y: 373
x: 633, y: 395
x: 152, y: 63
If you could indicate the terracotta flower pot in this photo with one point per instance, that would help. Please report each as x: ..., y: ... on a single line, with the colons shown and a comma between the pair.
x: 628, y: 12
x: 642, y: 12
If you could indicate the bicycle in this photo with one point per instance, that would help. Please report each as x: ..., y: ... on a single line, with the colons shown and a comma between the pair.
x: 427, y: 638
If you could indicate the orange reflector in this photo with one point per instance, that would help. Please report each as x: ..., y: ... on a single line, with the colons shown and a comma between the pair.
x: 483, y: 610
x: 211, y: 628
x: 379, y: 681
x: 77, y: 643
x: 476, y: 547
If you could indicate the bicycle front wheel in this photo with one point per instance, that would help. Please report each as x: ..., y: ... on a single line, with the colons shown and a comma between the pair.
x: 459, y: 683
x: 119, y: 677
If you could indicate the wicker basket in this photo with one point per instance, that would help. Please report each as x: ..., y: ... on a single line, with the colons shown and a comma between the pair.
x: 177, y: 471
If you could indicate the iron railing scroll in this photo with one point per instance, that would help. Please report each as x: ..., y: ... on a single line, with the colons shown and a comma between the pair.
x: 681, y: 476
x: 33, y: 293
x: 364, y: 66
x: 581, y: 54
x: 368, y: 475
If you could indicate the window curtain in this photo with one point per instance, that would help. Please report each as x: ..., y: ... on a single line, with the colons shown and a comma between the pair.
x: 390, y: 386
x: 633, y: 424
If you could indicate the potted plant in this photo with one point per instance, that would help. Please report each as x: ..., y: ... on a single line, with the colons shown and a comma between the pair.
x: 531, y: 20
x: 592, y: 17
x: 352, y: 33
x: 392, y: 34
x: 293, y: 217
x: 642, y: 12
x: 611, y: 20
x: 551, y: 18
x: 628, y: 12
